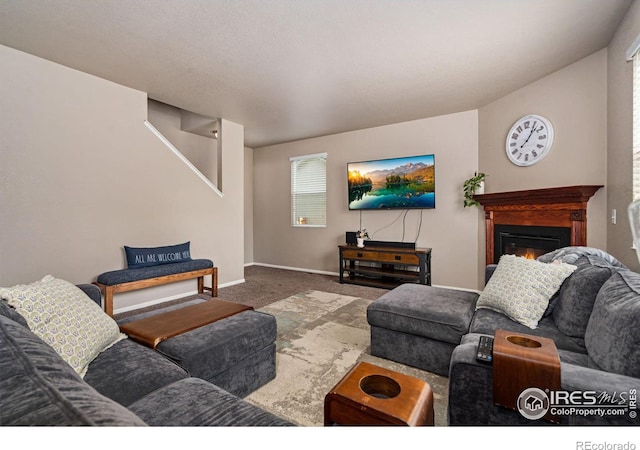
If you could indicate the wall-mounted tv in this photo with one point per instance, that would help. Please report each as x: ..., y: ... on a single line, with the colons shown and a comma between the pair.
x: 394, y: 183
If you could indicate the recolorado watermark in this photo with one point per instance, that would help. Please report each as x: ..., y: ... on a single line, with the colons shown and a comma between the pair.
x: 588, y: 445
x: 534, y: 403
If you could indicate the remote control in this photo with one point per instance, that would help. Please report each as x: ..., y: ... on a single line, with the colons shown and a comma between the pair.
x: 485, y: 349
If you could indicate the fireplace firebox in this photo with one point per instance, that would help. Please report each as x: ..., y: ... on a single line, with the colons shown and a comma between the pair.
x: 528, y: 241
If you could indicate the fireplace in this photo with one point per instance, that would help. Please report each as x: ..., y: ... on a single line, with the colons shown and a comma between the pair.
x: 528, y: 241
x: 537, y: 219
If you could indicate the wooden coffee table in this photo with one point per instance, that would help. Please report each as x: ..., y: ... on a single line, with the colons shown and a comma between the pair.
x: 372, y: 395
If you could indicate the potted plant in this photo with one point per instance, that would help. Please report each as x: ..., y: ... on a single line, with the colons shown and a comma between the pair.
x: 472, y: 186
x: 361, y: 235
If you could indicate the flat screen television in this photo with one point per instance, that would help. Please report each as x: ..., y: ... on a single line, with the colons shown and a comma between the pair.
x: 395, y: 183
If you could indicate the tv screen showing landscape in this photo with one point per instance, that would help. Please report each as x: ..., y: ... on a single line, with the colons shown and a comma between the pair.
x: 395, y: 183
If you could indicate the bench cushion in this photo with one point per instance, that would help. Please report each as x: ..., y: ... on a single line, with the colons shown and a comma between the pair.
x: 437, y: 313
x: 127, y: 275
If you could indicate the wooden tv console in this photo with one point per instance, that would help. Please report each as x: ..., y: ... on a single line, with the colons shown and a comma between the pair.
x: 385, y: 267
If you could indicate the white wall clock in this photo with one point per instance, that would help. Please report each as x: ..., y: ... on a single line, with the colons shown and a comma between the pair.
x: 529, y: 140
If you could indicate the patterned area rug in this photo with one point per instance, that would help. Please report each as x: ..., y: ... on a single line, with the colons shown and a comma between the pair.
x: 321, y: 336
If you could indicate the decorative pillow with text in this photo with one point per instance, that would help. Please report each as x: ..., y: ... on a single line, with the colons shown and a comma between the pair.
x: 152, y: 256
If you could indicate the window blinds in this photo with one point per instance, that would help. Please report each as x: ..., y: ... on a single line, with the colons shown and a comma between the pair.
x: 636, y: 125
x: 309, y: 190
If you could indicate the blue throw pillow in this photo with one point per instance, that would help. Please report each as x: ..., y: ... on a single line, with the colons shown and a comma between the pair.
x: 152, y: 256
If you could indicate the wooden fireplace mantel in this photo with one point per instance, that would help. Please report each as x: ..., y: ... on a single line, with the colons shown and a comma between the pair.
x: 550, y: 207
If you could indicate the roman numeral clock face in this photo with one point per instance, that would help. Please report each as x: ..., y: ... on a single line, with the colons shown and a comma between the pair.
x: 529, y: 140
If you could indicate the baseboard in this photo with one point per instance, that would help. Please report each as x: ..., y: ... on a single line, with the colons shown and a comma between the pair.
x: 171, y: 298
x: 296, y: 269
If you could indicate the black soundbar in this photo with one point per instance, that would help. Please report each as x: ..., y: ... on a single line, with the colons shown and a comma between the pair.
x: 411, y: 245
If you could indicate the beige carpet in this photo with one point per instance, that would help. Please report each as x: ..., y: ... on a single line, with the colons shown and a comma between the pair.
x: 321, y: 335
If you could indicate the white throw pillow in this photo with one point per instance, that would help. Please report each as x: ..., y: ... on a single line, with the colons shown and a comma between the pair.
x: 521, y: 288
x: 63, y: 316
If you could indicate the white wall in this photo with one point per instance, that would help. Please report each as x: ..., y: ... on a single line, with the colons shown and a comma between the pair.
x: 248, y: 206
x: 81, y: 176
x: 449, y: 229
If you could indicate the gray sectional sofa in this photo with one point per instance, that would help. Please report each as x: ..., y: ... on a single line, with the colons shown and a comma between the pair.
x: 131, y: 385
x: 594, y: 320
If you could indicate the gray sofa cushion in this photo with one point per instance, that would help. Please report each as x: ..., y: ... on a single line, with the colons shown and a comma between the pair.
x: 92, y: 291
x: 210, y: 350
x: 437, y: 313
x: 578, y: 294
x: 38, y: 388
x: 486, y: 321
x: 127, y: 371
x: 612, y: 336
x: 195, y: 402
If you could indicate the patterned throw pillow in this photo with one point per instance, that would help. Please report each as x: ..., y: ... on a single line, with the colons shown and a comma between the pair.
x: 64, y: 317
x: 521, y: 288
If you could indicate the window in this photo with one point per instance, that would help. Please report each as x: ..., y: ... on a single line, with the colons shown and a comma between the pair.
x: 309, y: 190
x: 636, y: 126
x: 634, y: 54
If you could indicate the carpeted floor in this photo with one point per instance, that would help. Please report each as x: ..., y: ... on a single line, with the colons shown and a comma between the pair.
x: 265, y: 285
x: 322, y: 333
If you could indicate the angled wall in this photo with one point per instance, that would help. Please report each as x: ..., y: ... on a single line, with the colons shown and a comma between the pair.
x: 81, y: 176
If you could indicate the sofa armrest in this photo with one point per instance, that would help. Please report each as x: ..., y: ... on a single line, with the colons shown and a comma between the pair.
x: 470, y: 385
x: 471, y: 391
x: 606, y: 385
x: 93, y: 292
x: 488, y: 272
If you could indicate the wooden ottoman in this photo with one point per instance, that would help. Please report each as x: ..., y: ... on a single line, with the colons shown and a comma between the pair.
x: 372, y: 395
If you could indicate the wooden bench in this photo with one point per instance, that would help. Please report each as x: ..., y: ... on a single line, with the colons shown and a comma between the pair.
x: 127, y: 280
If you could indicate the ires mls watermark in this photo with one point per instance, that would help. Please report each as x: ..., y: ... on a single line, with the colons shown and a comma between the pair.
x: 534, y: 403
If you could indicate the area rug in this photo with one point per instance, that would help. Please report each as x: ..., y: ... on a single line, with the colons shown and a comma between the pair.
x: 321, y: 336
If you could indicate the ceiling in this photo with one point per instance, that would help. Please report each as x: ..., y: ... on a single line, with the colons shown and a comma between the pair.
x: 294, y: 69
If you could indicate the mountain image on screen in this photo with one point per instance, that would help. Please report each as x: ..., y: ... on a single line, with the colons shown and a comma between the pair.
x: 398, y: 183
